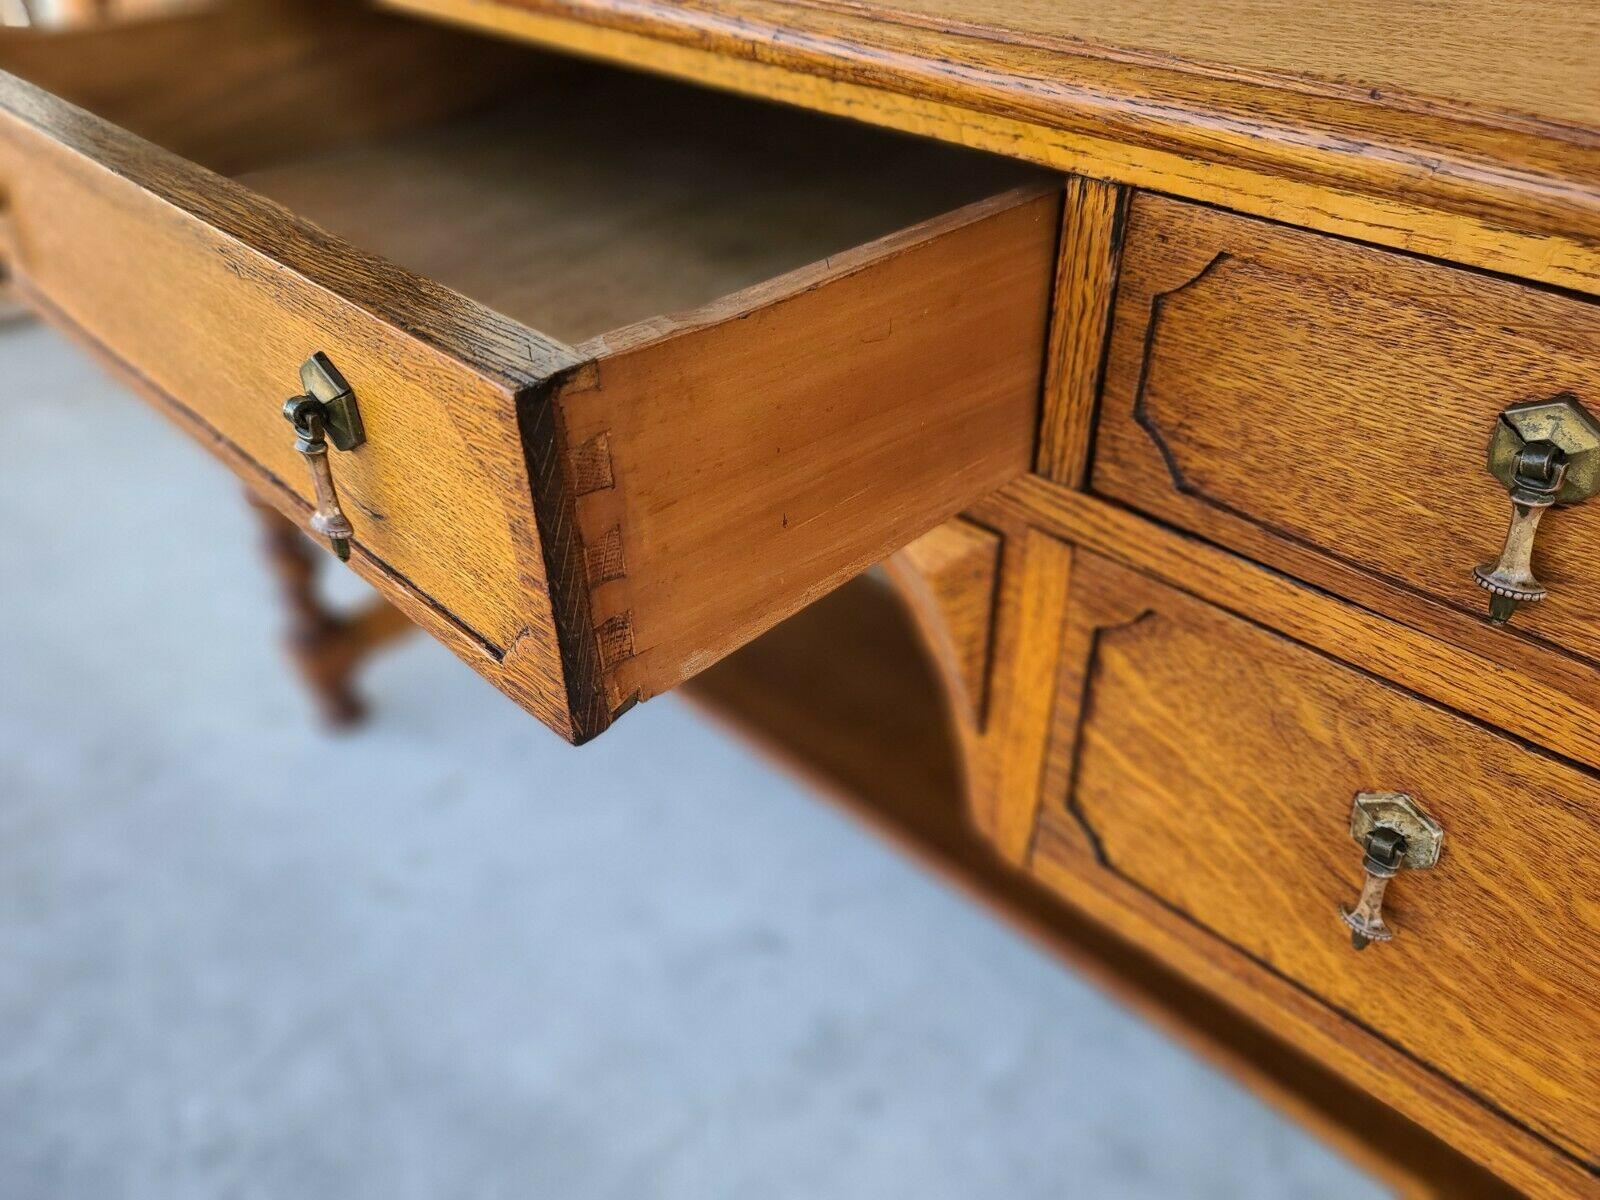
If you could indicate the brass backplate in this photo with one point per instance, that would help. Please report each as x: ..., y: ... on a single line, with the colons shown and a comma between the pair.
x: 1398, y: 811
x: 1561, y: 420
x: 342, y: 420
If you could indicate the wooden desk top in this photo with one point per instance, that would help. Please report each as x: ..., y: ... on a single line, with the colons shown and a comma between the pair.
x: 1528, y: 58
x: 1470, y: 131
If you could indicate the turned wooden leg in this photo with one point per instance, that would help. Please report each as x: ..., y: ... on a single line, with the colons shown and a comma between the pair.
x: 326, y: 647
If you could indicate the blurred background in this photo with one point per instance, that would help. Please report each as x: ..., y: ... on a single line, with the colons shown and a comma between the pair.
x: 444, y: 955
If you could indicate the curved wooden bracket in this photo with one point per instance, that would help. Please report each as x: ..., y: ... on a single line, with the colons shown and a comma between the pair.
x: 947, y: 579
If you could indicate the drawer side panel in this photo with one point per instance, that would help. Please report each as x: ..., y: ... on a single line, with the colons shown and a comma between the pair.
x: 765, y: 449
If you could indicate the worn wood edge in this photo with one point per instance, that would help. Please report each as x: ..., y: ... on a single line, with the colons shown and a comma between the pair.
x: 561, y: 543
x: 1526, y: 703
x: 1500, y: 199
x: 503, y: 351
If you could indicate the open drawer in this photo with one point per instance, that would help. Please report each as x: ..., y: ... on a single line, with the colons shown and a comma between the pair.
x: 588, y: 500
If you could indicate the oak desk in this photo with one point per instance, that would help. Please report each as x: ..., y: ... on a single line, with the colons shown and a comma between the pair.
x: 1232, y: 451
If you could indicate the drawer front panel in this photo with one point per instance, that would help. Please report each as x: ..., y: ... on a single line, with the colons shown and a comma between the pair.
x: 210, y: 298
x: 1215, y: 764
x: 1327, y: 407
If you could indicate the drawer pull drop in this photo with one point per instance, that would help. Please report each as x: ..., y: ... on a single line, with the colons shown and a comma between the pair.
x: 1545, y: 452
x: 326, y: 412
x: 1392, y: 833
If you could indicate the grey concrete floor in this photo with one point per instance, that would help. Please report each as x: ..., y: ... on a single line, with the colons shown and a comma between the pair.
x: 447, y: 956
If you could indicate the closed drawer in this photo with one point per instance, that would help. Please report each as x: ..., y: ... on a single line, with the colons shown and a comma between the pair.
x: 642, y: 371
x: 1207, y: 768
x: 1326, y: 407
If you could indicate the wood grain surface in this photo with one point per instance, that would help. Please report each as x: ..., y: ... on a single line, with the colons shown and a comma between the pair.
x: 240, y: 84
x: 1202, y: 777
x: 621, y: 542
x: 1092, y: 218
x: 596, y: 198
x: 1539, y: 694
x: 844, y: 694
x: 1215, y: 766
x: 587, y: 526
x: 209, y: 297
x: 1478, y: 185
x: 1004, y: 586
x: 766, y: 448
x: 1523, y: 58
x: 1326, y: 408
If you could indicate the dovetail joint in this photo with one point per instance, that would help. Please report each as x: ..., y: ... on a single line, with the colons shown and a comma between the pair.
x: 602, y: 558
x: 615, y: 635
x: 591, y: 465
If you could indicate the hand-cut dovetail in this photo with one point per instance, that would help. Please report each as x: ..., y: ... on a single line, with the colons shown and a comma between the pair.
x: 591, y: 465
x: 615, y: 635
x: 602, y: 559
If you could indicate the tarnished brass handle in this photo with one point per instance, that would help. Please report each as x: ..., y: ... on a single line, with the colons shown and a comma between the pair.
x: 1545, y: 452
x: 327, y: 412
x: 1393, y: 832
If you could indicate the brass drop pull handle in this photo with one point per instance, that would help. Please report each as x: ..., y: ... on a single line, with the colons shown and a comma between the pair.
x: 1545, y: 452
x: 1393, y: 832
x: 326, y: 412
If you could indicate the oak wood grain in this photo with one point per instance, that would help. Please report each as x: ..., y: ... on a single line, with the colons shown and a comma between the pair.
x: 1199, y: 794
x: 589, y: 526
x: 1005, y: 583
x: 766, y: 448
x: 1538, y: 694
x: 1492, y: 189
x: 1215, y: 766
x: 1320, y: 405
x: 1527, y: 1165
x: 1092, y: 217
x: 1525, y: 59
x: 161, y: 266
x: 844, y: 694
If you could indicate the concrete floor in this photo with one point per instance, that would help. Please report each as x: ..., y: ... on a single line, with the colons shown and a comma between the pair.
x: 447, y: 956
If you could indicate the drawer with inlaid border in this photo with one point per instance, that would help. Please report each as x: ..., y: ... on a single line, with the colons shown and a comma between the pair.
x: 1407, y: 892
x: 1366, y: 420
